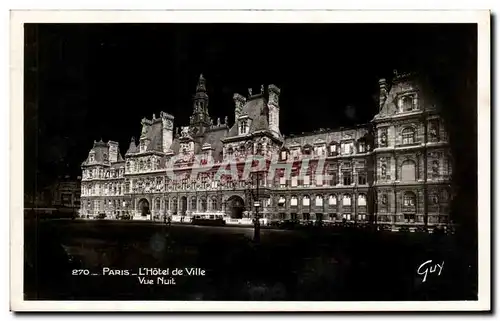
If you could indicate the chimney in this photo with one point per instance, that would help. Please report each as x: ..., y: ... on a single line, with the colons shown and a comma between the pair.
x: 384, y: 91
x: 167, y: 131
x: 239, y: 102
x: 113, y: 151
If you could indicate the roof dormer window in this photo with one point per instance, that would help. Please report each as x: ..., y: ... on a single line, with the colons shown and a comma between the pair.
x: 407, y: 102
x: 243, y: 127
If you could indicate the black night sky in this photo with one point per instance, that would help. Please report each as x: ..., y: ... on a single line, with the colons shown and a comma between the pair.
x: 84, y: 82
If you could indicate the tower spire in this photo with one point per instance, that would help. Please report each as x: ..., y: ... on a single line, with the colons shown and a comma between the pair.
x: 200, y: 104
x: 201, y: 84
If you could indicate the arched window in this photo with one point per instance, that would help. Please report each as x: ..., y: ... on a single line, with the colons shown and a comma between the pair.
x: 193, y: 203
x: 214, y: 204
x: 158, y: 204
x: 408, y: 136
x: 332, y: 200
x: 362, y: 200
x: 319, y: 200
x: 203, y: 204
x: 409, y: 200
x: 294, y: 201
x: 306, y: 201
x: 281, y: 201
x: 346, y: 200
x: 408, y: 171
x: 174, y: 204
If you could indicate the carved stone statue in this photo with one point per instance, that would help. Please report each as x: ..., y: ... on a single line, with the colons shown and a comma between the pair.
x: 384, y: 169
x: 225, y: 120
x: 262, y: 89
x: 383, y: 139
x: 177, y: 131
x: 249, y: 91
x: 185, y: 131
x: 218, y: 121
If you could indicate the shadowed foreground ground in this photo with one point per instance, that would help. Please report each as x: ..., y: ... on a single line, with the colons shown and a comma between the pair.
x: 286, y: 265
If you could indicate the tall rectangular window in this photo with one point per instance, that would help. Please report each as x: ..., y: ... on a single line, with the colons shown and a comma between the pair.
x: 346, y: 176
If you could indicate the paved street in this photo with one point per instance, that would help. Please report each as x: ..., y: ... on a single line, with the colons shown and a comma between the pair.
x: 286, y: 265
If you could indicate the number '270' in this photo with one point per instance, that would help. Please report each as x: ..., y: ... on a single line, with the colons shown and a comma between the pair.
x: 80, y: 272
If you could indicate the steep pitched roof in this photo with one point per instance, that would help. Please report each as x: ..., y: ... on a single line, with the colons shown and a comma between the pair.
x: 257, y: 111
x: 132, y: 148
x: 214, y: 139
x: 155, y: 136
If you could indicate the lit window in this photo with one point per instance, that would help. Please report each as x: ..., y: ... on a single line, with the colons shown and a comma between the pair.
x: 409, y: 199
x: 362, y: 200
x: 332, y: 200
x: 281, y: 201
x: 293, y: 201
x: 346, y: 201
x: 319, y: 180
x: 361, y: 148
x: 243, y: 127
x: 408, y: 171
x: 294, y: 181
x: 306, y: 201
x: 306, y: 181
x: 333, y: 149
x: 283, y: 155
x: 283, y: 181
x: 407, y: 103
x: 319, y: 200
x: 408, y: 136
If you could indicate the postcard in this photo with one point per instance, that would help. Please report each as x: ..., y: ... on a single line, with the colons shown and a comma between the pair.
x: 250, y: 160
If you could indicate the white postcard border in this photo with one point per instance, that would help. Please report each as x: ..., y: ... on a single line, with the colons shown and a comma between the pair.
x: 18, y: 18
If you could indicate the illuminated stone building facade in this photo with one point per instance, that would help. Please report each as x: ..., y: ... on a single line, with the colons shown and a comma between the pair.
x: 395, y: 170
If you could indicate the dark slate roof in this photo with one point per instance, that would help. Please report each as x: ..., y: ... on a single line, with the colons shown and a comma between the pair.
x: 155, y: 136
x: 99, y: 149
x: 256, y: 109
x: 214, y: 139
x: 326, y: 136
x: 132, y: 148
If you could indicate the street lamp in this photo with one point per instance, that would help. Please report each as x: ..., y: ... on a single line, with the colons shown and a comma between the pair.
x: 256, y: 205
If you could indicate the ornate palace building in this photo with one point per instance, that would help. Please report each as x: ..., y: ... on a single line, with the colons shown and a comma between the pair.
x: 395, y: 170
